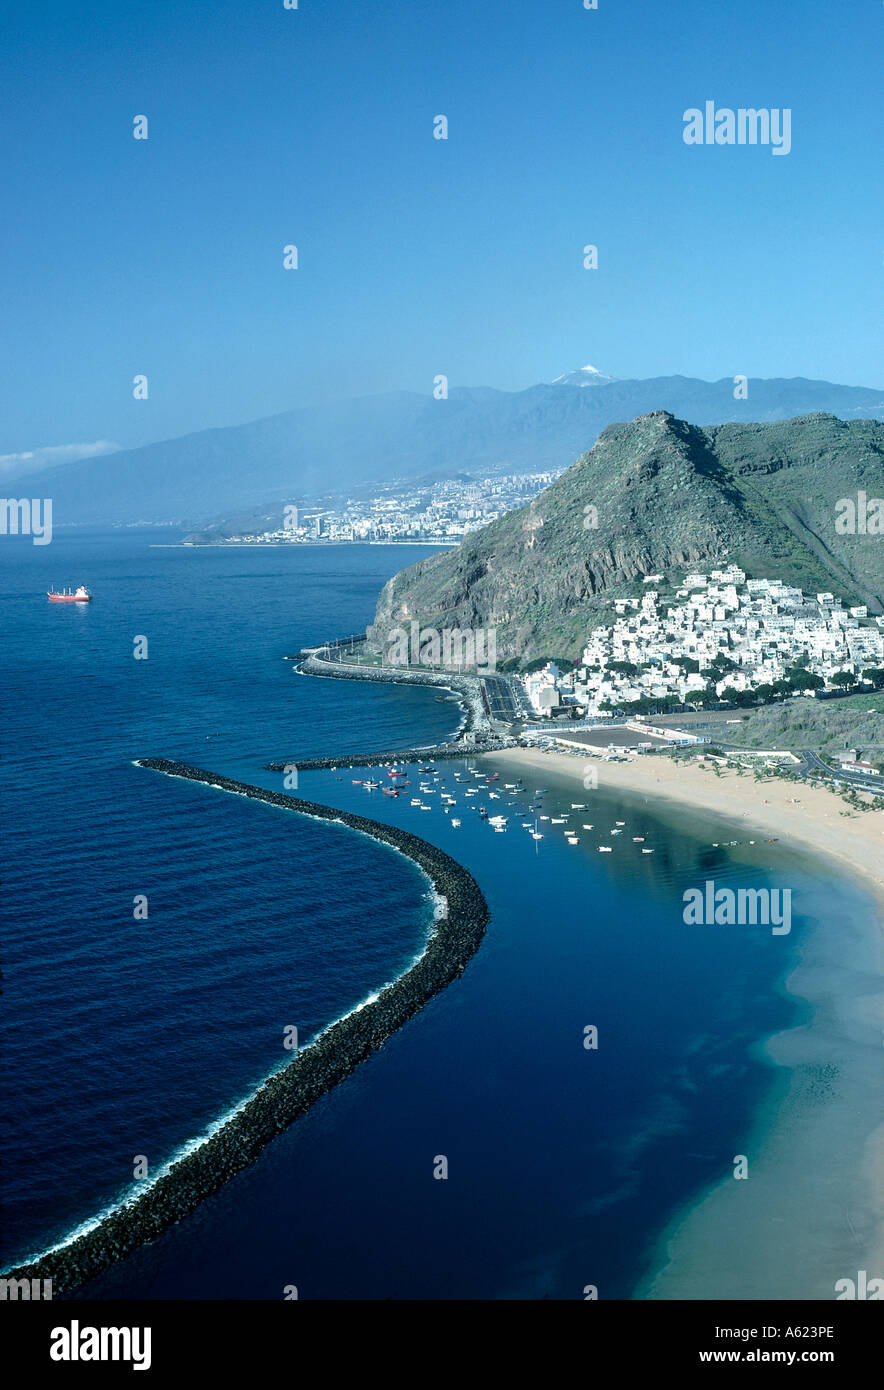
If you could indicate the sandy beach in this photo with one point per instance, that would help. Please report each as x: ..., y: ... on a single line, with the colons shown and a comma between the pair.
x: 792, y: 812
x: 812, y: 1212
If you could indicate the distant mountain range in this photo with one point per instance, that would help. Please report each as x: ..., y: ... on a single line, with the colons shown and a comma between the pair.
x: 656, y: 497
x: 221, y: 474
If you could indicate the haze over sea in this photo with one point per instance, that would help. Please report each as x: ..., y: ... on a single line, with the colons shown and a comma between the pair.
x: 124, y: 1037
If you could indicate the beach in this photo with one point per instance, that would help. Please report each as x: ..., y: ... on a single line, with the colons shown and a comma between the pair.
x: 812, y: 1211
x: 791, y: 811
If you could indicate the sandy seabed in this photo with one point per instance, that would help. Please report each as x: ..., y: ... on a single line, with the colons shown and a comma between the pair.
x: 811, y: 1211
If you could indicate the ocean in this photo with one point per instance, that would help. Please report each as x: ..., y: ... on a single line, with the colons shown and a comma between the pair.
x: 126, y: 1038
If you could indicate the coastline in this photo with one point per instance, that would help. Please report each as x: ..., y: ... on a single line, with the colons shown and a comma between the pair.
x: 792, y: 812
x: 314, y: 1070
x: 813, y: 1212
x: 466, y: 689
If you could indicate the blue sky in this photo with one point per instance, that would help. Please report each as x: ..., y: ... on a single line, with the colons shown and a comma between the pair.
x: 270, y: 126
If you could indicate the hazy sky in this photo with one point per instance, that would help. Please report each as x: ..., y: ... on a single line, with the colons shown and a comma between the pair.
x: 418, y: 256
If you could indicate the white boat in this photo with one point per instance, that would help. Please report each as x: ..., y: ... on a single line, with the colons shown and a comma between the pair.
x: 536, y: 835
x: 647, y: 851
x: 578, y: 805
x: 544, y: 817
x: 587, y: 827
x: 620, y: 822
x: 638, y: 839
x: 415, y: 801
x: 558, y: 820
x: 616, y: 832
x: 454, y: 820
x: 573, y: 840
x: 605, y: 849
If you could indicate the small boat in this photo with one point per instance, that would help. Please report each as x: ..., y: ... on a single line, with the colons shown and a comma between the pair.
x: 558, y: 820
x: 647, y: 851
x: 573, y: 840
x: 357, y: 781
x: 587, y: 827
x: 78, y: 595
x: 500, y: 829
x: 455, y: 821
x: 616, y: 832
x: 605, y: 849
x: 578, y: 805
x: 415, y: 801
x: 536, y: 835
x: 638, y: 839
x: 620, y: 822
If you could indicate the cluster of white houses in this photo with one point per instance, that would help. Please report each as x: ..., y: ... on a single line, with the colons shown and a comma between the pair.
x: 731, y: 634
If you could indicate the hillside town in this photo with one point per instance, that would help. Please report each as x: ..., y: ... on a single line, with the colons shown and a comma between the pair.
x: 724, y: 637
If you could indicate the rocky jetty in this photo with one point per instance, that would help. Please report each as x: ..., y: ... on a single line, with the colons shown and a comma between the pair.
x: 432, y: 754
x: 468, y: 689
x: 310, y: 1074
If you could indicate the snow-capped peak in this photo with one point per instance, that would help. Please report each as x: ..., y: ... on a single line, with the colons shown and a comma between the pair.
x: 583, y: 376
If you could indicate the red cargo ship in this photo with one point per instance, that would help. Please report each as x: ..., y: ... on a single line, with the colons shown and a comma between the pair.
x: 80, y: 595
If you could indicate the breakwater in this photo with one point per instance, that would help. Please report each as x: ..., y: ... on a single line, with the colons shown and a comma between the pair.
x: 469, y: 690
x: 400, y: 755
x: 314, y: 1071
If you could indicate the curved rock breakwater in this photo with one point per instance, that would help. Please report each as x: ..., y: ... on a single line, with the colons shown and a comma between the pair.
x: 314, y: 1071
x: 467, y: 688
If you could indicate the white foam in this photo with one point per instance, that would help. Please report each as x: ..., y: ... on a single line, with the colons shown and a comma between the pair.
x: 191, y: 1145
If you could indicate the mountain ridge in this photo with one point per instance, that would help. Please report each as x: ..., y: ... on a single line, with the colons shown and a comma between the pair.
x: 296, y: 456
x: 667, y: 496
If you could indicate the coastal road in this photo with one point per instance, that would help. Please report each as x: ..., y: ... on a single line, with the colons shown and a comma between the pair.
x: 813, y: 766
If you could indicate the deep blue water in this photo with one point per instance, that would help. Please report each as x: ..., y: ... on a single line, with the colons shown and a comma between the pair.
x: 126, y: 1037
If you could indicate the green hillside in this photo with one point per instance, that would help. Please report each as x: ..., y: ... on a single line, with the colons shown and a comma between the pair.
x: 668, y: 496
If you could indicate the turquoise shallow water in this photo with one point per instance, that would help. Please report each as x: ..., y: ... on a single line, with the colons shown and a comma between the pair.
x: 564, y: 1164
